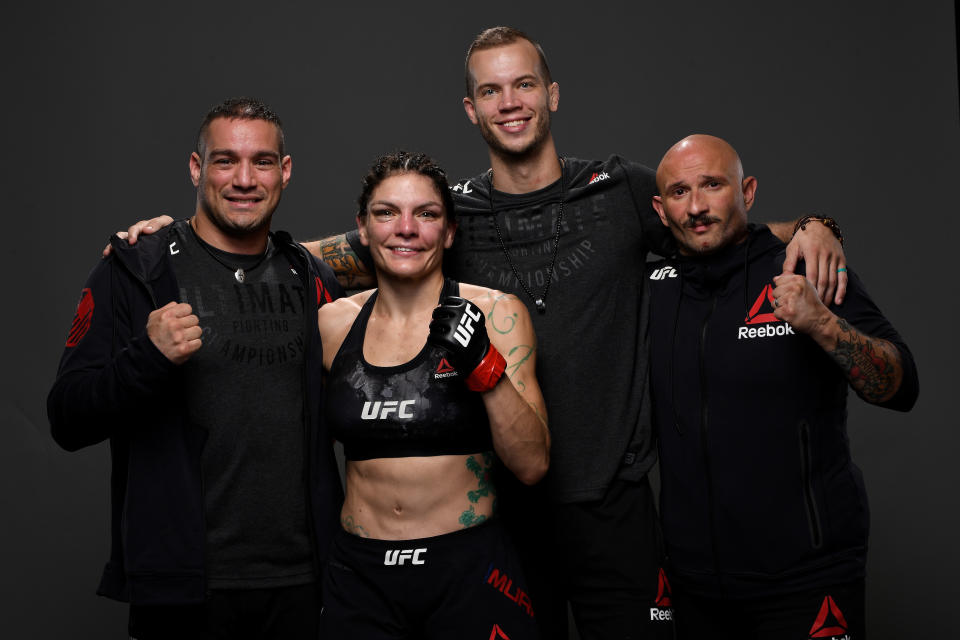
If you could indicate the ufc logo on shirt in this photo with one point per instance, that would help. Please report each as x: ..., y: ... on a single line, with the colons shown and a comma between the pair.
x: 397, y: 557
x: 464, y: 331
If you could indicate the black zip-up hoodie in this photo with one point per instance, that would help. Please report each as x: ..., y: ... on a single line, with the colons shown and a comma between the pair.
x: 113, y: 383
x: 759, y: 494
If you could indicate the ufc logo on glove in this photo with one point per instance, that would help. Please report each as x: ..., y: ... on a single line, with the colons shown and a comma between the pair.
x: 465, y: 329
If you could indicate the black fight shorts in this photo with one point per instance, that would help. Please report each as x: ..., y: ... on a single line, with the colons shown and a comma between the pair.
x: 465, y: 585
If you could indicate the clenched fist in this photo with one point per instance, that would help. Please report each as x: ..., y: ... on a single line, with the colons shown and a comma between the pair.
x: 797, y: 302
x: 175, y: 331
x: 458, y: 327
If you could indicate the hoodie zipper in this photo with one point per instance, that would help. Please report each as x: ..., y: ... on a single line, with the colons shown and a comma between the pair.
x: 704, y: 446
x: 204, y: 551
x: 806, y: 475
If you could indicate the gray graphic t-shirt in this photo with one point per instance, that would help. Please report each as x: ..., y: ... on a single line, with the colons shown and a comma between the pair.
x: 244, y: 388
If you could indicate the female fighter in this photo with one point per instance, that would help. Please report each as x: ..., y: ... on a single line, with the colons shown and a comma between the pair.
x: 424, y: 403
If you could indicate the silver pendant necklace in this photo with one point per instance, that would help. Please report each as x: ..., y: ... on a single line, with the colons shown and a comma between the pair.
x: 540, y: 301
x: 240, y: 275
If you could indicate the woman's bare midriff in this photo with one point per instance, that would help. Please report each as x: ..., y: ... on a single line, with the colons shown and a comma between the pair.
x: 418, y: 497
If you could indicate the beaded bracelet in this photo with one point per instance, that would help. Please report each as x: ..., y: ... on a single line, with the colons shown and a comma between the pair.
x: 829, y: 223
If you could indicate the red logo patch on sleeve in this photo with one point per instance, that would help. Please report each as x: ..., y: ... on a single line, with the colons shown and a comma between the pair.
x: 82, y: 319
x: 323, y: 296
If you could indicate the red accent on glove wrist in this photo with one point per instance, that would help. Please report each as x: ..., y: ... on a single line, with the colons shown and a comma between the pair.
x: 486, y: 375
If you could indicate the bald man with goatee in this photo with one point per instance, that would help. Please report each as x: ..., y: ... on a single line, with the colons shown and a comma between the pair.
x: 764, y: 513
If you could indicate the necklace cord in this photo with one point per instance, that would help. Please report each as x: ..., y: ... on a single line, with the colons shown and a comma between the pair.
x: 541, y: 300
x: 239, y: 274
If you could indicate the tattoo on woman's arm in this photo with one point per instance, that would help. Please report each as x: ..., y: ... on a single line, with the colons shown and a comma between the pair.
x: 504, y: 324
x: 522, y: 353
x: 484, y: 489
x: 538, y: 412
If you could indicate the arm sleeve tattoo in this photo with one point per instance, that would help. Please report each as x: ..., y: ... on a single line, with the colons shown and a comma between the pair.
x: 872, y: 366
x: 350, y: 270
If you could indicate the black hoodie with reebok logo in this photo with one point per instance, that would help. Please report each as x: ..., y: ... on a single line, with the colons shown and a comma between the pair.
x: 759, y: 493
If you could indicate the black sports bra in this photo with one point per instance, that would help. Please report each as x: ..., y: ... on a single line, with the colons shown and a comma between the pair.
x: 420, y: 408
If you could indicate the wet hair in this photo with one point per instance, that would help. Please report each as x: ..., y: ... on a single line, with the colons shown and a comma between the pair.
x: 399, y: 163
x: 499, y: 37
x: 239, y: 109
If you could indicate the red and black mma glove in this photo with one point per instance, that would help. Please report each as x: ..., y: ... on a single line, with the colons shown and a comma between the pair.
x: 458, y: 327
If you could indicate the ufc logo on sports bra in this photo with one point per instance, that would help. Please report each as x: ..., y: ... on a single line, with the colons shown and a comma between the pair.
x: 397, y: 557
x: 382, y: 409
x: 465, y: 329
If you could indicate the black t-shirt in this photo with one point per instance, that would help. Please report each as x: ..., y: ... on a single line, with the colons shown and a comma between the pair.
x: 244, y: 388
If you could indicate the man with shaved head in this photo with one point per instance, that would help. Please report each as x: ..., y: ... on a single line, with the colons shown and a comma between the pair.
x: 705, y: 233
x: 764, y: 513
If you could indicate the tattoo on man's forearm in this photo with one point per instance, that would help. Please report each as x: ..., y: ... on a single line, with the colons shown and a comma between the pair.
x: 868, y: 364
x: 484, y: 489
x: 350, y: 526
x: 344, y: 262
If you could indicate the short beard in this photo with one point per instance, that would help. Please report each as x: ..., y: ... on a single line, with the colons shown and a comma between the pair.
x: 230, y: 229
x: 540, y: 136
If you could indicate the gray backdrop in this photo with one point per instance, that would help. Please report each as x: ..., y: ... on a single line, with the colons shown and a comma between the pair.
x: 848, y: 109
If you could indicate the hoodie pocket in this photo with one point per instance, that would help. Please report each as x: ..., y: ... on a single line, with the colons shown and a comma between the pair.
x: 806, y: 475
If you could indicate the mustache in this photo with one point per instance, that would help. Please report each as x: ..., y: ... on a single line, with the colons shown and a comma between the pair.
x: 703, y: 218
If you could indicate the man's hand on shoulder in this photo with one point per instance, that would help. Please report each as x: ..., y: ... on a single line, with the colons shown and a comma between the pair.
x: 143, y: 226
x: 175, y: 331
x: 822, y: 253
